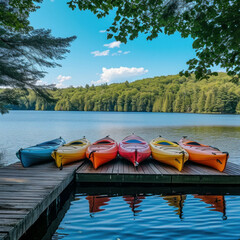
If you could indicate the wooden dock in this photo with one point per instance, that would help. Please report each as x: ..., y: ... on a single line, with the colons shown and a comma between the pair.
x: 25, y: 193
x: 122, y: 171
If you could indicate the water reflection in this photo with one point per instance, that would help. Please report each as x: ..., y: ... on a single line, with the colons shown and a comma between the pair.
x: 134, y: 203
x: 176, y: 201
x: 217, y: 203
x: 96, y: 202
x: 167, y: 212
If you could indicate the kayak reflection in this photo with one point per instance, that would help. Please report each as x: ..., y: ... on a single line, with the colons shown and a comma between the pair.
x: 217, y: 203
x: 134, y: 202
x: 96, y: 202
x: 176, y: 201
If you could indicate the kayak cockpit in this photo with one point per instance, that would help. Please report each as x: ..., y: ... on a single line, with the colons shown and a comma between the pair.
x: 133, y: 141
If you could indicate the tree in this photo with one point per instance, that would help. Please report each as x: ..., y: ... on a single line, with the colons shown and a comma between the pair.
x: 213, y: 24
x: 217, y: 95
x: 14, y: 14
x: 24, y: 52
x: 201, y: 102
x: 238, y: 108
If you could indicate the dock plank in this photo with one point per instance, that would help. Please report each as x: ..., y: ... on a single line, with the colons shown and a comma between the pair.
x: 25, y: 193
x: 151, y: 171
x: 116, y: 166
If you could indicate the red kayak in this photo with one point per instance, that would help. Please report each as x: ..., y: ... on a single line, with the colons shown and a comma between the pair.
x: 134, y: 149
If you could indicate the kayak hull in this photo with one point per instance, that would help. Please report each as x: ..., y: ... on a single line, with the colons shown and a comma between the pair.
x: 40, y: 153
x: 205, y: 155
x: 134, y: 149
x: 170, y: 154
x: 102, y: 151
x: 71, y: 152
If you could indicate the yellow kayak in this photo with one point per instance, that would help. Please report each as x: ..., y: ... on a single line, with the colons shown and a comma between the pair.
x: 71, y: 152
x: 168, y: 152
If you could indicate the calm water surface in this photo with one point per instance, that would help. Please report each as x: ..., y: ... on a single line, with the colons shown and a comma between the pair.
x: 150, y: 216
x: 143, y: 214
x: 24, y: 128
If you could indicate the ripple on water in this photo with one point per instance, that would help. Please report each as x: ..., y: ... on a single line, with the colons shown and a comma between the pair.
x: 20, y: 128
x: 152, y: 217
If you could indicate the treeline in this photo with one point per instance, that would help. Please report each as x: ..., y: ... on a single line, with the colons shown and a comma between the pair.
x: 159, y: 94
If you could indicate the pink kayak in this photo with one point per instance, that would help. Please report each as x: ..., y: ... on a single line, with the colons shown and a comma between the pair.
x: 134, y: 149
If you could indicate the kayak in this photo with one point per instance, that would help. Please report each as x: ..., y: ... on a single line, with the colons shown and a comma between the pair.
x: 39, y: 153
x: 102, y: 151
x: 71, y: 152
x: 206, y: 155
x: 134, y: 149
x: 168, y: 152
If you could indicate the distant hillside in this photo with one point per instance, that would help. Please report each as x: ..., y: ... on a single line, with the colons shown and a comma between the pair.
x: 159, y: 94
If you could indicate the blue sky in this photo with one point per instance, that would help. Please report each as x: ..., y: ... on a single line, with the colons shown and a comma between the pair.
x: 117, y: 62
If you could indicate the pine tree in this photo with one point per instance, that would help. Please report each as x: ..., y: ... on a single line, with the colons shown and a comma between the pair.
x: 238, y: 108
x: 201, y: 102
x: 24, y: 52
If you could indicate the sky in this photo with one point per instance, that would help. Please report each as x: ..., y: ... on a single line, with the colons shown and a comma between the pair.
x: 95, y: 60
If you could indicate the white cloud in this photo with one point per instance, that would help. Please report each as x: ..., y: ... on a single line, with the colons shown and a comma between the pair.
x: 111, y: 75
x: 113, y: 44
x: 98, y: 53
x: 120, y: 53
x: 102, y: 31
x: 61, y: 79
x: 117, y: 53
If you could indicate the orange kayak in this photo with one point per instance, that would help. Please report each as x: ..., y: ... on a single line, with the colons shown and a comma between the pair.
x: 204, y: 154
x: 102, y: 151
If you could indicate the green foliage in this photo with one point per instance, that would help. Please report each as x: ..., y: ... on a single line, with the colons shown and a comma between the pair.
x: 25, y: 53
x: 213, y: 24
x: 159, y: 94
x: 14, y: 14
x: 7, y: 96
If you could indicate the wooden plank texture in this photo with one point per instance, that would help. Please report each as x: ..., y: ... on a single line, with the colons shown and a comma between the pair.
x: 151, y: 171
x: 25, y: 193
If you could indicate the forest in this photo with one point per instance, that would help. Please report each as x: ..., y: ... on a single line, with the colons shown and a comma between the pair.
x: 171, y: 93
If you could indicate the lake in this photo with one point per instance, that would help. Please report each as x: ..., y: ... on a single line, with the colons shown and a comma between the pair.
x: 116, y: 215
x: 20, y: 129
x: 134, y: 213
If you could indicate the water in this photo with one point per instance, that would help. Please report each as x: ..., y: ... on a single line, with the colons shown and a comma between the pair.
x: 21, y: 129
x: 145, y: 215
x: 137, y: 212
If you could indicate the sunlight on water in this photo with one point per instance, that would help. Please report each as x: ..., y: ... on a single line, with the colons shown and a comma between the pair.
x: 25, y: 128
x: 136, y: 213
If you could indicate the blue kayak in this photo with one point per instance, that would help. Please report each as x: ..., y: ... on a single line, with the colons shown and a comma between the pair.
x: 39, y: 153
